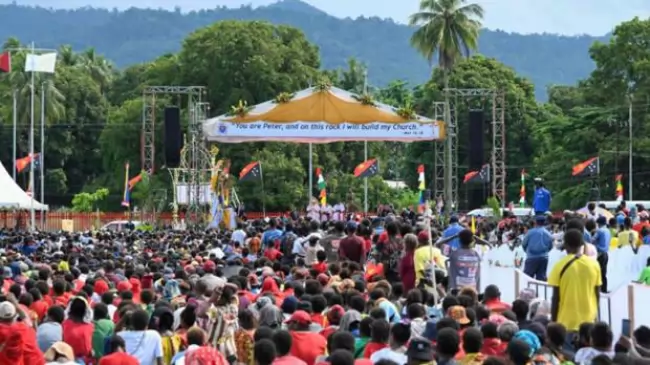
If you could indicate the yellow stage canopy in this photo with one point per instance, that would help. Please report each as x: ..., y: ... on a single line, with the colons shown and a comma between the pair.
x: 321, y: 115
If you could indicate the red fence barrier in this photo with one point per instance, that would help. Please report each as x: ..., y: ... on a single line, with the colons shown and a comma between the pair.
x: 54, y: 221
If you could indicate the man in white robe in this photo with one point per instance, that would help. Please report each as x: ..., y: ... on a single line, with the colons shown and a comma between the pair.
x: 313, y: 210
x: 339, y: 212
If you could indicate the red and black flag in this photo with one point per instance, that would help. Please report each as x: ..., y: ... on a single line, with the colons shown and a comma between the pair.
x: 590, y: 167
x: 5, y: 62
x: 252, y: 171
x: 480, y: 176
x: 368, y: 168
x: 23, y: 163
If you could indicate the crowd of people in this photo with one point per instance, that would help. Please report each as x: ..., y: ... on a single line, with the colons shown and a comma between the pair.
x: 394, y: 290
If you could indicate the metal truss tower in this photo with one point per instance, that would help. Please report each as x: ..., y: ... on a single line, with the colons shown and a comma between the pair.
x: 193, y: 173
x: 439, y: 158
x: 498, y: 156
x: 149, y: 96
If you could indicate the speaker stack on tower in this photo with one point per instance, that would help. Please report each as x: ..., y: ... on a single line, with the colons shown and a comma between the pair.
x: 476, y: 192
x: 173, y: 137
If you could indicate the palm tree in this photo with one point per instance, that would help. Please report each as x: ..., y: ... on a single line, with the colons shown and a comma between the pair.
x: 448, y: 29
x: 99, y: 69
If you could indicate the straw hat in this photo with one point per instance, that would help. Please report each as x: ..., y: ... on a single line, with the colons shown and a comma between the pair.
x: 59, y: 349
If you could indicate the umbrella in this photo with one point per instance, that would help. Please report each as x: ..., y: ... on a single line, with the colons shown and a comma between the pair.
x: 599, y: 212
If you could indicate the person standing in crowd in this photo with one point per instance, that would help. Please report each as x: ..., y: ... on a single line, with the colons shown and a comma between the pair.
x: 576, y: 282
x: 538, y: 242
x: 407, y: 265
x: 601, y: 240
x: 542, y: 199
x: 331, y: 242
x: 627, y: 236
x: 464, y: 264
x: 352, y: 247
x: 453, y: 230
x: 140, y: 342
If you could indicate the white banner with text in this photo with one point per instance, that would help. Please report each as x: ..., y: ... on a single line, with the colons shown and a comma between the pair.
x: 321, y: 132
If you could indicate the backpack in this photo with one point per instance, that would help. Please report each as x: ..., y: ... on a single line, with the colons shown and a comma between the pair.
x: 287, y: 244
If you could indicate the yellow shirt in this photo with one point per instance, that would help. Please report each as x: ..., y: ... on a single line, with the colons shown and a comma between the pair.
x: 627, y: 237
x: 578, y: 301
x: 423, y: 256
x: 613, y: 243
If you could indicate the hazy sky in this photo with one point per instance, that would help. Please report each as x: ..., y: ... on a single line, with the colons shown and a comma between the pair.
x: 570, y: 17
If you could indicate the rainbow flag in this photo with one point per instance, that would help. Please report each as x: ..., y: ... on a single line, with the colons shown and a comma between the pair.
x: 619, y: 187
x: 522, y: 190
x: 421, y: 187
x: 322, y: 186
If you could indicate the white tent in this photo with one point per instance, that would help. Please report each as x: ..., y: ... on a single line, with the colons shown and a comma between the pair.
x: 13, y: 197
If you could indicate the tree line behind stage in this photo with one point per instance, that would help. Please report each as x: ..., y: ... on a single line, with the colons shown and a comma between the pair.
x: 94, y: 119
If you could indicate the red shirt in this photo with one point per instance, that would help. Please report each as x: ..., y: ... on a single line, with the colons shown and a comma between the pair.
x: 320, y: 267
x: 79, y: 336
x: 20, y: 345
x: 40, y: 307
x: 272, y: 254
x: 119, y: 358
x: 373, y: 347
x: 307, y: 346
x: 497, y: 306
x: 493, y: 347
x: 318, y: 319
x: 352, y: 248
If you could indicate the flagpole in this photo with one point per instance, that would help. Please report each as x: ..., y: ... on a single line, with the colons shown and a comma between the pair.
x: 15, y: 121
x: 42, y: 153
x: 263, y: 191
x: 31, y: 147
x: 365, y: 149
x: 311, y: 175
x: 365, y: 179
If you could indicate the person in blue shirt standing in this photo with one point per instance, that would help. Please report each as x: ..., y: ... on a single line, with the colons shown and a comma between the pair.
x: 538, y: 242
x: 601, y: 240
x: 542, y: 199
x: 453, y: 229
x: 271, y: 234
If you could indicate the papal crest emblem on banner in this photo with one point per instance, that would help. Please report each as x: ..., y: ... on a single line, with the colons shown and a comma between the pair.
x: 222, y: 128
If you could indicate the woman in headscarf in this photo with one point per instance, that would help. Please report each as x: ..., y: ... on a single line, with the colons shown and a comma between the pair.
x: 78, y: 328
x: 270, y: 286
x: 225, y: 315
x: 271, y: 316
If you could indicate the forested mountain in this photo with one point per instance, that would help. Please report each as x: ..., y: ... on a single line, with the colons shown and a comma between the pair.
x: 140, y: 35
x: 94, y: 111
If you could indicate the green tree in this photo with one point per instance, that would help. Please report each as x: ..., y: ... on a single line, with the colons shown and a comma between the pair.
x: 87, y: 202
x: 448, y: 29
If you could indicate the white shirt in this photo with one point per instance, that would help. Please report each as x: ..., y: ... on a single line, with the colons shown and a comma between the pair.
x: 389, y: 354
x: 586, y: 354
x: 146, y: 346
x: 313, y: 212
x: 239, y: 236
x: 338, y: 212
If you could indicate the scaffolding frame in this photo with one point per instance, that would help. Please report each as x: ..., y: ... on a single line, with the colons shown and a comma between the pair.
x: 498, y: 156
x: 194, y: 170
x: 439, y: 158
x: 149, y: 95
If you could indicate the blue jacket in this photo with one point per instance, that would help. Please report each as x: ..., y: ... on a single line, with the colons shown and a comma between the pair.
x: 452, y: 230
x: 542, y: 200
x: 537, y: 243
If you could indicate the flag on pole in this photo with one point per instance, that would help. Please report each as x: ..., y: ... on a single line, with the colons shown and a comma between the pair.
x: 5, y: 62
x: 368, y: 168
x: 23, y: 163
x: 619, y: 188
x: 126, y: 198
x: 322, y: 186
x: 480, y: 176
x: 40, y: 62
x: 522, y: 190
x: 252, y: 171
x: 589, y: 167
x: 421, y: 188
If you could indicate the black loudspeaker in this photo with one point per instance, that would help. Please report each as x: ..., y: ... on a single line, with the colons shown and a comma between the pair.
x: 427, y: 195
x: 476, y: 193
x: 173, y: 137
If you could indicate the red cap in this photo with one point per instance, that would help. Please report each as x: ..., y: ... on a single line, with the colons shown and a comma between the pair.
x: 123, y: 286
x: 423, y: 236
x: 301, y: 317
x: 335, y: 314
x: 209, y: 265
